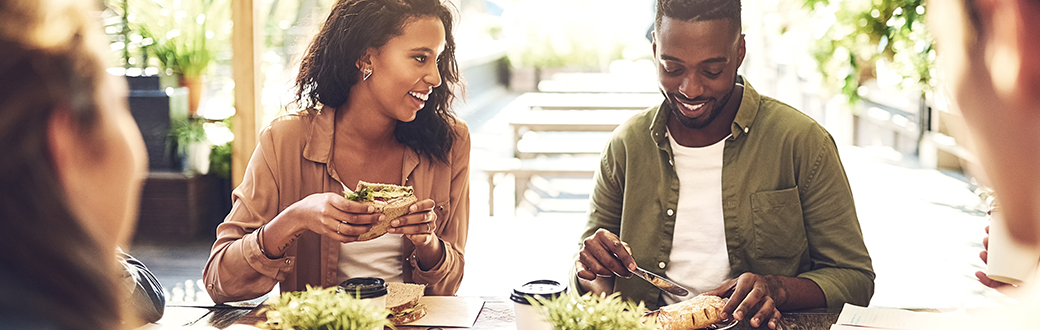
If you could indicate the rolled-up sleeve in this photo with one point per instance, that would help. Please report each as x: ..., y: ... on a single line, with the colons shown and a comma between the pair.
x: 841, y: 265
x: 236, y: 269
x: 605, y: 202
x: 444, y: 278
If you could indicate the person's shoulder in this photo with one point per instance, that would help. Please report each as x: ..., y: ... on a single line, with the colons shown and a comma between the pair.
x: 293, y: 122
x: 779, y: 118
x: 461, y: 144
x: 289, y: 133
x: 637, y: 126
x: 460, y: 128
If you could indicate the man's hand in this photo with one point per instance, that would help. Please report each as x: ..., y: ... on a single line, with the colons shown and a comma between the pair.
x: 752, y: 294
x: 597, y: 257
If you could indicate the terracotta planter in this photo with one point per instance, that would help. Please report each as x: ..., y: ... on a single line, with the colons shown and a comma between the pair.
x: 194, y: 85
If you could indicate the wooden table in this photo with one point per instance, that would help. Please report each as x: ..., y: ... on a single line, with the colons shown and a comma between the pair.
x: 497, y: 314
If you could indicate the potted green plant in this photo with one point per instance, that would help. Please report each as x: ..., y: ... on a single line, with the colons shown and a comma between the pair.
x: 189, y: 135
x: 181, y: 35
x: 322, y: 309
x: 593, y: 312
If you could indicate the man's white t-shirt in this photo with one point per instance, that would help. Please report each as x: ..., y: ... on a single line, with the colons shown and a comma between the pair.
x: 699, y: 260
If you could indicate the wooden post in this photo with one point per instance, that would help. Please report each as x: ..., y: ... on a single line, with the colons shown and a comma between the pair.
x: 245, y: 67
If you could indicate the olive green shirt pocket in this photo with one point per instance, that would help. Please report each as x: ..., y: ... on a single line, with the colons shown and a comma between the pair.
x: 779, y: 232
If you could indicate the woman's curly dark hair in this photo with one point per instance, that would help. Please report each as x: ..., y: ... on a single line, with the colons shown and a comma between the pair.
x: 328, y: 71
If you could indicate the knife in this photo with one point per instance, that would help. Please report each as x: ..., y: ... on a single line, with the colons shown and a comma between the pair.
x: 661, y: 282
x: 658, y: 281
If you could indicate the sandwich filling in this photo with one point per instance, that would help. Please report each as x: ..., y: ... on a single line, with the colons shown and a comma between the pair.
x: 385, y: 193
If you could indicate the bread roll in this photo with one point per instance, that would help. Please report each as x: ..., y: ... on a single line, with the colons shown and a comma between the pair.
x: 699, y: 312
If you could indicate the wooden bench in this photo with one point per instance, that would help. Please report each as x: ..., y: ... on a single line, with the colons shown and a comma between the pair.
x: 588, y: 101
x: 524, y: 169
x: 600, y: 82
x: 602, y: 121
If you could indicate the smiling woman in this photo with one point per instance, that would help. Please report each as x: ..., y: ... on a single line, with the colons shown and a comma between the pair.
x: 376, y: 83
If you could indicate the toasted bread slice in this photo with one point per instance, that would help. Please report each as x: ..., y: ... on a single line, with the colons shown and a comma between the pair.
x: 390, y: 200
x: 393, y: 210
x: 402, y: 296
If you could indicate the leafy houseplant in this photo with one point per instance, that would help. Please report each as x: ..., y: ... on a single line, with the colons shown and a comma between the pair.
x: 592, y: 312
x: 322, y: 309
x: 190, y: 136
x: 180, y: 35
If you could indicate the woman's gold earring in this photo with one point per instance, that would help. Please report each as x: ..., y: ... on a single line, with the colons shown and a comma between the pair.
x: 368, y: 73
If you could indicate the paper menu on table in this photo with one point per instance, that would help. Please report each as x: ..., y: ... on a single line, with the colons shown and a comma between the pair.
x: 856, y: 317
x: 449, y: 311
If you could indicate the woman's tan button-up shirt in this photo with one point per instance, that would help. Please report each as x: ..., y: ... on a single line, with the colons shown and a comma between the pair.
x: 292, y: 161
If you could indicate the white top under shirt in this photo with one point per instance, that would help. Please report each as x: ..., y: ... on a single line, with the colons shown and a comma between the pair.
x: 699, y: 260
x: 380, y: 257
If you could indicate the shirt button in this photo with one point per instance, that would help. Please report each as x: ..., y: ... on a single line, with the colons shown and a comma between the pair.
x: 670, y: 212
x: 746, y: 129
x: 288, y: 261
x: 661, y: 265
x: 670, y: 162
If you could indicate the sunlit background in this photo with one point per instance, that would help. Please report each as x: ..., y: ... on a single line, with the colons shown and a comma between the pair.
x: 546, y: 82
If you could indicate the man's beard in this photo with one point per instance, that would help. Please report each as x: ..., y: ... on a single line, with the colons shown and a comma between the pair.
x: 701, y: 122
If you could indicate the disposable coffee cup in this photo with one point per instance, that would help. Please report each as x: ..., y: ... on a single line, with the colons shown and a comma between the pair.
x: 528, y: 317
x: 1008, y: 261
x: 371, y: 290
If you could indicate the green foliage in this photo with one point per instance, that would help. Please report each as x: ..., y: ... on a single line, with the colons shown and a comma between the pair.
x: 868, y: 35
x: 186, y: 131
x: 360, y: 196
x: 322, y: 309
x: 220, y: 160
x: 181, y: 34
x: 592, y: 312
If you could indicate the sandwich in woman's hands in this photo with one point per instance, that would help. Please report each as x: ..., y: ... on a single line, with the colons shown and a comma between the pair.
x: 699, y: 312
x: 390, y: 200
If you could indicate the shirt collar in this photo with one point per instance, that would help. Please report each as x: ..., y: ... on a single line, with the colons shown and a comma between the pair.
x: 318, y: 146
x: 749, y: 104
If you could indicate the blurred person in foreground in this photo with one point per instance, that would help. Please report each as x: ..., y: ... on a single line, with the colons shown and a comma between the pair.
x: 721, y: 189
x: 988, y: 52
x: 375, y: 85
x: 71, y: 171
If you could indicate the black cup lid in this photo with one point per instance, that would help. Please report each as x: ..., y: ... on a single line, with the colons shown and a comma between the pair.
x: 364, y: 287
x: 540, y: 288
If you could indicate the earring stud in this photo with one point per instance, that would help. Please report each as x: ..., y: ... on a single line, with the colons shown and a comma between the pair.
x: 368, y: 73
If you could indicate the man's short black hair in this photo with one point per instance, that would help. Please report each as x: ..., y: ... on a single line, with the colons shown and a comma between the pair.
x: 699, y: 10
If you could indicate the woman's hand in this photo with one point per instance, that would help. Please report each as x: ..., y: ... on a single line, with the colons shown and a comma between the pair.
x: 983, y: 278
x: 419, y: 226
x: 332, y: 215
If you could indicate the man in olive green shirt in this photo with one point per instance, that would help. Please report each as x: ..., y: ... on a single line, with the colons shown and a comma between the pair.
x: 788, y: 237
